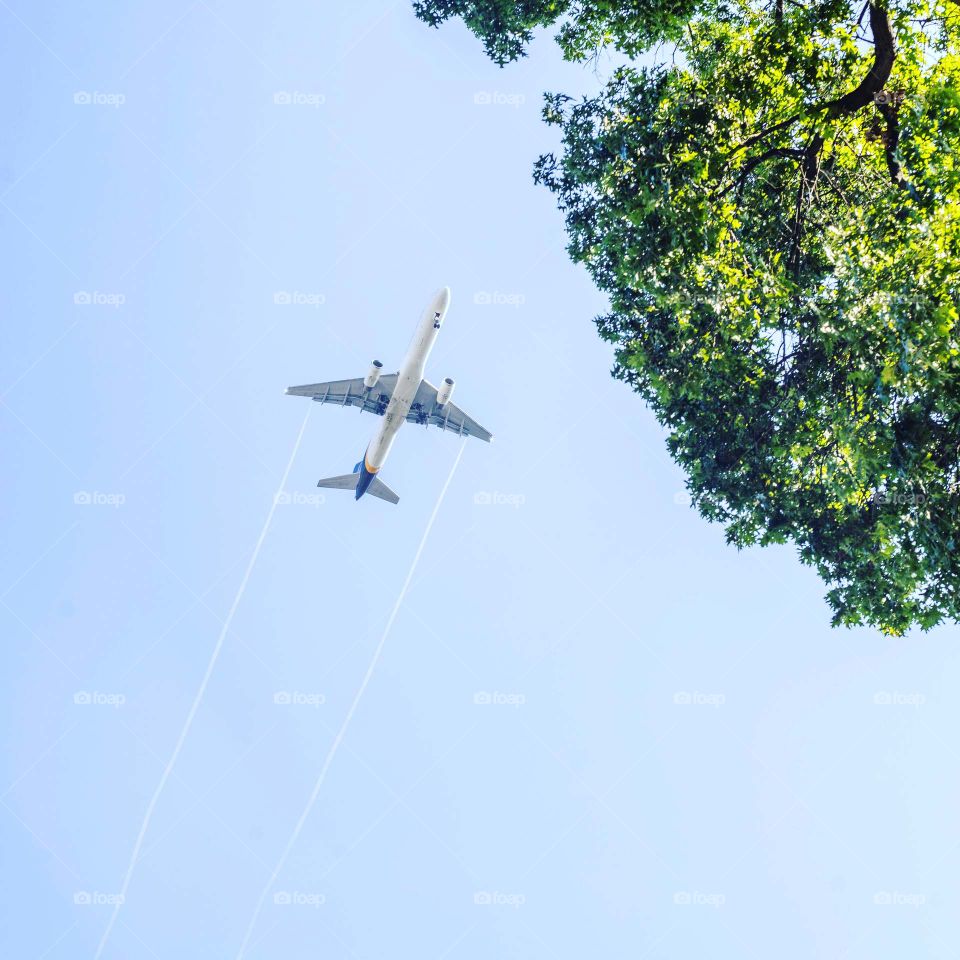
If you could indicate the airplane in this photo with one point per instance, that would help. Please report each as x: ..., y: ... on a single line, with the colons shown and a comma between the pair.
x: 398, y: 397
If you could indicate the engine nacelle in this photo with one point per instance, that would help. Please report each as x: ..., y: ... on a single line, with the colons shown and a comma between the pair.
x: 370, y: 380
x: 445, y: 392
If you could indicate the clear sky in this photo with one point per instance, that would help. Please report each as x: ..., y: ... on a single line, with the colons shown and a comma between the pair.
x: 595, y: 730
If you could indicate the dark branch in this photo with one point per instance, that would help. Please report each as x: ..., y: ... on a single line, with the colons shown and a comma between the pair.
x: 891, y: 140
x: 757, y: 137
x: 755, y: 162
x: 885, y: 52
x: 806, y: 191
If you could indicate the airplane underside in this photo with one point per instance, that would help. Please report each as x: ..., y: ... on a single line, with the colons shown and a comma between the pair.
x: 401, y: 397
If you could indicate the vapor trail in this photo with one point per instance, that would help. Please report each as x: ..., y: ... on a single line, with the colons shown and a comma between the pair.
x: 151, y: 806
x: 349, y: 716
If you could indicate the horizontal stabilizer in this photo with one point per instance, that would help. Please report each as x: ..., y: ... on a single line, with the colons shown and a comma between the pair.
x: 347, y: 482
x: 379, y: 489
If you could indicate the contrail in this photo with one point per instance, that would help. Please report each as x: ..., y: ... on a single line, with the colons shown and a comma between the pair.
x: 346, y: 720
x: 151, y: 806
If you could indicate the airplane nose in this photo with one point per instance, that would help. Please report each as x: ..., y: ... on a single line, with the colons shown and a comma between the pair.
x: 442, y: 299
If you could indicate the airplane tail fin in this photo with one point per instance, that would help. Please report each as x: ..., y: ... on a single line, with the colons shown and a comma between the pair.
x: 349, y: 481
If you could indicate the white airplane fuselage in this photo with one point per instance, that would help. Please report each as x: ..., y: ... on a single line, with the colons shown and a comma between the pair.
x: 408, y: 382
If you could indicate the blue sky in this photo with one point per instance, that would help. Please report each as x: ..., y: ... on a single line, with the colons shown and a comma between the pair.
x: 594, y: 730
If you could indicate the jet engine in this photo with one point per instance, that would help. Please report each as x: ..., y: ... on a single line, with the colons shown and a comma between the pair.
x: 445, y: 392
x: 370, y: 380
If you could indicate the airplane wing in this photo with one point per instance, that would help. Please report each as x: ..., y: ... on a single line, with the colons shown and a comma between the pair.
x: 425, y: 410
x: 350, y: 393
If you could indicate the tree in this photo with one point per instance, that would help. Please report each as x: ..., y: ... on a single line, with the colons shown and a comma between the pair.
x: 775, y: 216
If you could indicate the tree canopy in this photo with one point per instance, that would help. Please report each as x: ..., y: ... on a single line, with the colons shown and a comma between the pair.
x: 774, y: 213
x: 506, y: 27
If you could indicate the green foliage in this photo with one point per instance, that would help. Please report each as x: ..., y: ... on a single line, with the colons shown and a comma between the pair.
x: 506, y: 26
x: 775, y: 217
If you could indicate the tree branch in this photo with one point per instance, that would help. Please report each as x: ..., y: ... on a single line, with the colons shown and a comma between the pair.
x: 885, y: 52
x: 806, y: 190
x: 755, y: 162
x: 889, y: 109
